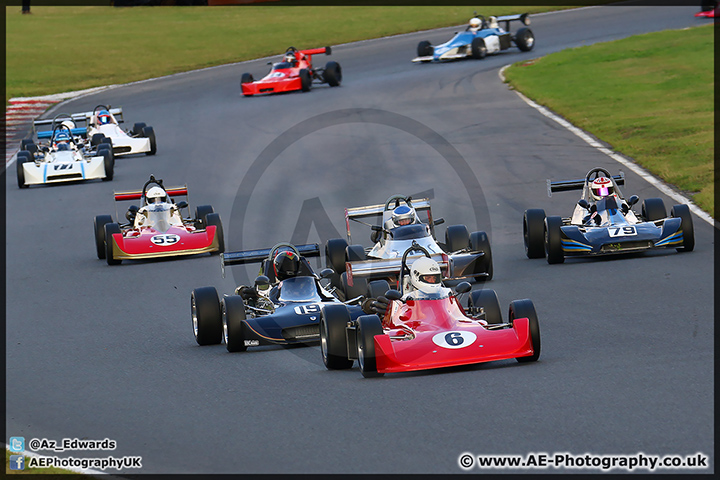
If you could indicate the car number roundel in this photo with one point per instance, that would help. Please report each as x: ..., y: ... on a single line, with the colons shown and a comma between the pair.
x: 454, y: 339
x: 165, y: 239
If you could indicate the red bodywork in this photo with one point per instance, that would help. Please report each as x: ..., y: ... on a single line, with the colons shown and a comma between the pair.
x: 708, y: 13
x: 432, y: 323
x: 284, y: 79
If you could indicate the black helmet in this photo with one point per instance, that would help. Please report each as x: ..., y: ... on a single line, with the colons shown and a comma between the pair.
x: 286, y: 264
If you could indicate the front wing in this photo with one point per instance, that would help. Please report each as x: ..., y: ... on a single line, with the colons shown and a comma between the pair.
x: 605, y: 241
x: 275, y: 86
x: 175, y: 242
x: 43, y: 173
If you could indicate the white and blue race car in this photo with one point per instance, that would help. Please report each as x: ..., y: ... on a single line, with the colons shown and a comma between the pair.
x: 482, y: 37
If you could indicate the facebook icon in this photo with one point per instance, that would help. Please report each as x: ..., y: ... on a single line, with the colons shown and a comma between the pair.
x: 17, y: 462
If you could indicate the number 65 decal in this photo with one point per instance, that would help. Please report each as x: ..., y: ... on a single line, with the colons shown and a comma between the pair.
x: 165, y: 239
x: 454, y: 339
x: 622, y: 231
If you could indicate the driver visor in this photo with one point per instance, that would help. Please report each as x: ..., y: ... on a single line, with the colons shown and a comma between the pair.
x: 432, y: 278
x: 603, y: 191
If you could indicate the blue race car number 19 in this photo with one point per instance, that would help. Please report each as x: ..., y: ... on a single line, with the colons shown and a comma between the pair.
x: 454, y: 339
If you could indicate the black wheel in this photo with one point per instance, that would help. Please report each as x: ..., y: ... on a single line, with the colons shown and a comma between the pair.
x: 525, y: 309
x: 247, y: 78
x: 534, y: 232
x: 332, y: 74
x: 22, y: 157
x: 377, y: 288
x: 456, y: 238
x: 355, y: 253
x: 479, y: 242
x: 305, y: 80
x: 333, y: 342
x: 358, y: 288
x: 214, y: 219
x: 201, y: 213
x: 335, y: 254
x: 106, y: 140
x: 99, y: 228
x: 524, y: 39
x: 368, y: 327
x: 653, y: 209
x: 233, y: 314
x: 688, y: 231
x: 109, y: 162
x: 25, y: 142
x: 206, y: 316
x: 105, y: 147
x: 478, y: 48
x: 138, y: 128
x: 150, y: 133
x: 487, y: 300
x: 425, y: 49
x: 96, y: 139
x: 553, y: 240
x: 110, y: 229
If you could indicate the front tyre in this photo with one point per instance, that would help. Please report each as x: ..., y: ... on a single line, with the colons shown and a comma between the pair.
x: 99, y: 228
x: 333, y: 342
x: 110, y: 230
x: 525, y: 309
x: 214, y: 220
x: 305, y: 80
x: 533, y: 232
x: 553, y: 240
x: 150, y: 133
x: 368, y: 327
x: 206, y: 316
x: 478, y: 48
x: 425, y: 49
x: 683, y: 212
x: 233, y: 315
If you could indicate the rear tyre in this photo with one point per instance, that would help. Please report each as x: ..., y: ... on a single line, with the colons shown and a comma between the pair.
x: 99, y: 228
x: 206, y: 316
x: 355, y: 253
x: 333, y: 342
x: 653, y: 209
x: 110, y: 229
x: 683, y: 212
x: 214, y: 220
x: 479, y: 242
x: 478, y: 48
x: 533, y: 232
x: 524, y: 39
x: 335, y: 254
x: 553, y: 240
x: 22, y: 157
x: 368, y: 327
x: 233, y: 314
x: 487, y: 300
x: 201, y: 213
x: 150, y: 133
x: 332, y: 74
x: 525, y: 309
x: 425, y: 49
x: 305, y: 80
x: 456, y: 238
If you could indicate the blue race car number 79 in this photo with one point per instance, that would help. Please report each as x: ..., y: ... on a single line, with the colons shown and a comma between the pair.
x: 622, y: 231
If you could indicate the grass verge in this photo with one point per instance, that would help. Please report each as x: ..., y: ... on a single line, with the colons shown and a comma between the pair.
x: 649, y: 96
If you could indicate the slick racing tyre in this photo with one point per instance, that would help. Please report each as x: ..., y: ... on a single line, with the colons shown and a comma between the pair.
x: 335, y: 254
x: 332, y: 74
x: 206, y: 316
x: 305, y: 80
x: 525, y: 309
x: 553, y: 240
x: 22, y: 157
x: 99, y: 228
x: 688, y: 231
x: 110, y: 230
x: 653, y: 209
x: 425, y: 49
x: 487, y: 300
x: 357, y: 289
x: 533, y: 232
x: 479, y: 242
x: 333, y: 342
x: 478, y: 48
x: 368, y: 327
x: 138, y: 128
x: 214, y: 220
x: 524, y: 39
x: 201, y: 213
x: 456, y: 238
x: 150, y: 133
x: 233, y: 315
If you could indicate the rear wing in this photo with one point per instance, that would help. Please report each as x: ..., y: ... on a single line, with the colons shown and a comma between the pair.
x: 567, y: 185
x: 522, y: 18
x: 76, y: 132
x: 316, y: 51
x: 85, y: 116
x: 137, y: 194
x: 254, y: 256
x: 389, y: 266
x: 375, y: 211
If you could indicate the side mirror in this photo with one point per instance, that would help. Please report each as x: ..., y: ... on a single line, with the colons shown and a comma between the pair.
x: 393, y: 295
x: 633, y: 200
x: 262, y: 281
x: 376, y: 228
x: 182, y: 204
x: 583, y: 203
x: 326, y: 272
x: 438, y: 221
x: 463, y: 287
x: 593, y: 208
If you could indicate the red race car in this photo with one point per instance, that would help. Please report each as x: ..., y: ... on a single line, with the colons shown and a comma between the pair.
x: 294, y: 72
x: 157, y: 228
x: 424, y: 326
x: 708, y: 9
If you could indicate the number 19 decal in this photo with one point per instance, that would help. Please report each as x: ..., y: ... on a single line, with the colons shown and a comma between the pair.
x: 307, y: 309
x: 454, y: 339
x: 622, y: 231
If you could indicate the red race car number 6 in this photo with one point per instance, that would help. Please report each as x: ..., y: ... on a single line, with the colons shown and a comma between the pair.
x: 454, y: 339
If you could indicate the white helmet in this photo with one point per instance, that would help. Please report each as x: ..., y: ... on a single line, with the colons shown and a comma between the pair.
x: 601, y: 187
x: 155, y: 195
x: 425, y: 276
x: 475, y: 22
x: 69, y: 123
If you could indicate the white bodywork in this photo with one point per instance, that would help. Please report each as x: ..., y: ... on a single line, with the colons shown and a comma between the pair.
x: 63, y: 166
x: 120, y: 139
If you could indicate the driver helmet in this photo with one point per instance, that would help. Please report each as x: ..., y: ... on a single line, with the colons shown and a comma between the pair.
x: 475, y: 23
x: 69, y: 124
x: 104, y: 117
x: 290, y: 57
x: 286, y: 264
x: 601, y: 187
x: 425, y: 276
x: 62, y: 140
x: 403, y: 215
x: 155, y: 195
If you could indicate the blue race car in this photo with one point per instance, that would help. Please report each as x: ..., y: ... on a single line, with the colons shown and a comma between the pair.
x: 283, y: 307
x: 481, y: 37
x: 603, y: 222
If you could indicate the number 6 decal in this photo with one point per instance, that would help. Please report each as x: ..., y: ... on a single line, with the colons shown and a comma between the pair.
x: 454, y: 339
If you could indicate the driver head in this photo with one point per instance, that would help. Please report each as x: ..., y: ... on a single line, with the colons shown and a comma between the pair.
x: 425, y: 276
x: 155, y: 195
x: 601, y: 187
x: 475, y: 23
x: 286, y: 264
x: 403, y: 215
x: 104, y: 117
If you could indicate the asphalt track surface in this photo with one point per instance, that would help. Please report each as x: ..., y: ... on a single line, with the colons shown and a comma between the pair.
x: 98, y: 352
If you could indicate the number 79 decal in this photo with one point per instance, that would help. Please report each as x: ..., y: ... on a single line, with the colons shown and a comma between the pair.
x: 622, y: 231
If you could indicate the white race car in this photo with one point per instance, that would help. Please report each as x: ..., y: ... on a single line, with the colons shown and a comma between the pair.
x: 104, y: 122
x: 62, y: 159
